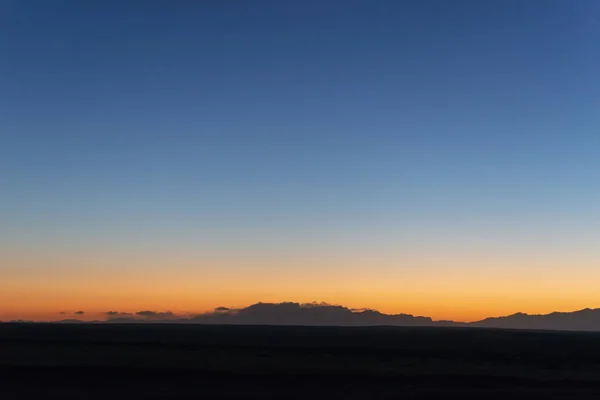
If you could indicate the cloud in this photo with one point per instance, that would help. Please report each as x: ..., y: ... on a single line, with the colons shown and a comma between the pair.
x: 79, y: 312
x: 155, y: 315
x: 117, y: 316
x: 362, y: 309
x: 222, y: 309
x: 317, y: 304
x: 62, y: 313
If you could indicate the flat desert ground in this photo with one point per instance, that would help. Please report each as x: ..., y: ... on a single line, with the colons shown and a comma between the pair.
x: 163, y: 361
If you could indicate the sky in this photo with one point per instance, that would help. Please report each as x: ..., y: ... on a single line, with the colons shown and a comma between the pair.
x: 427, y: 157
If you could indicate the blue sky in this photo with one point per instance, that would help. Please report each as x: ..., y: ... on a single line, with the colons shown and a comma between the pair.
x: 386, y: 124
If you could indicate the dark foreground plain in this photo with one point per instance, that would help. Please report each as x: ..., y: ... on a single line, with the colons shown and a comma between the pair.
x: 100, y: 361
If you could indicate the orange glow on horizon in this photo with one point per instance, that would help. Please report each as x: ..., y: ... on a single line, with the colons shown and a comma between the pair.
x: 48, y: 308
x: 453, y: 287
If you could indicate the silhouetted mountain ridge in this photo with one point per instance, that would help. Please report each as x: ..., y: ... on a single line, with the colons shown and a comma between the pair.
x: 307, y: 314
x: 323, y: 314
x: 581, y: 320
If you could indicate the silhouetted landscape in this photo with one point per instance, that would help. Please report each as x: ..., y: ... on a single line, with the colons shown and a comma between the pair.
x: 169, y: 360
x: 322, y: 314
x: 292, y: 350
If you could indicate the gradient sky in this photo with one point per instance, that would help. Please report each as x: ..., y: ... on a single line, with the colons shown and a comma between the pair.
x: 438, y: 158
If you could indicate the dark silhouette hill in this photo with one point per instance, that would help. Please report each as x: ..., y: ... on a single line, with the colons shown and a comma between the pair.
x: 326, y: 314
x: 582, y: 320
x: 308, y: 314
x: 323, y: 314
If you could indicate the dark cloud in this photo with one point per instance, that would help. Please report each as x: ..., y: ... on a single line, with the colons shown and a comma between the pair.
x: 62, y: 313
x: 79, y: 312
x: 111, y: 313
x: 155, y: 315
x: 222, y: 309
x: 317, y: 304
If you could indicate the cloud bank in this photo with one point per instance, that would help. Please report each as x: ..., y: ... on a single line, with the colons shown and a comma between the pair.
x: 155, y: 315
